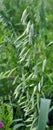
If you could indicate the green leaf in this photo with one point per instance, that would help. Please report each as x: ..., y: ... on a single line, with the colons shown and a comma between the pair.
x: 18, y: 126
x: 43, y: 116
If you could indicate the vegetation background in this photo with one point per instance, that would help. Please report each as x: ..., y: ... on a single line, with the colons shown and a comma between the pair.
x: 26, y: 61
